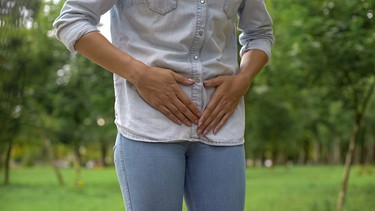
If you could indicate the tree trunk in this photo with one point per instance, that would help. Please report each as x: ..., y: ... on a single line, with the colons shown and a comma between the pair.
x: 7, y: 162
x: 1, y: 157
x: 301, y: 155
x: 349, y: 155
x: 316, y: 155
x: 348, y: 160
x: 51, y: 157
x: 103, y: 150
x: 370, y: 149
x: 336, y: 151
x: 78, y: 164
x: 77, y: 153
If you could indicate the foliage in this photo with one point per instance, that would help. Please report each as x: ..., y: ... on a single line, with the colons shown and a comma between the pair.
x: 15, y: 17
x: 47, y: 92
x: 306, y: 100
x: 300, y: 108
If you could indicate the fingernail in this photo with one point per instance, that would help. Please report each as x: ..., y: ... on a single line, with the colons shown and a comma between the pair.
x: 196, y: 122
x: 199, y: 131
x: 205, y: 132
x: 191, y: 80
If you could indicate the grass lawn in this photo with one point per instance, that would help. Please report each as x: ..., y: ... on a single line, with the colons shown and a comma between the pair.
x: 310, y: 188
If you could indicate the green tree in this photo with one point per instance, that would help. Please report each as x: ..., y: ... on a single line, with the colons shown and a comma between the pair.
x: 46, y: 57
x: 340, y: 33
x: 15, y: 19
x: 330, y: 45
x: 86, y: 118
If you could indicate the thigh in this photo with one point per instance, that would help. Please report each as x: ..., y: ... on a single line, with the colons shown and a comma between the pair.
x: 151, y: 175
x: 215, y: 178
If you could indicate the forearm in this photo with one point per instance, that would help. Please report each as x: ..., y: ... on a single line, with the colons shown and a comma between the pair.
x: 252, y: 63
x: 98, y: 49
x: 158, y: 86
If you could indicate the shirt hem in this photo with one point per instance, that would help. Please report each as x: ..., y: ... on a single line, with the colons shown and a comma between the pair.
x: 233, y: 142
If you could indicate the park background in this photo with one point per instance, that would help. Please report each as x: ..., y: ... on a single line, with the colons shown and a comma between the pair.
x: 310, y: 114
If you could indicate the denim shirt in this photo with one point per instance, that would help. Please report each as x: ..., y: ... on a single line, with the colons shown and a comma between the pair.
x: 195, y: 38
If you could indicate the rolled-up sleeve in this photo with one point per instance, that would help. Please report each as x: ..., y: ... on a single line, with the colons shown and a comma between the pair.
x: 255, y: 25
x: 79, y: 17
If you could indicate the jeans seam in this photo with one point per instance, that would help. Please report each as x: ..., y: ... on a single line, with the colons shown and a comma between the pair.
x: 191, y: 194
x: 126, y: 191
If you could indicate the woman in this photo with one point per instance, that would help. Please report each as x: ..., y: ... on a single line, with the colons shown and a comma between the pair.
x: 179, y: 93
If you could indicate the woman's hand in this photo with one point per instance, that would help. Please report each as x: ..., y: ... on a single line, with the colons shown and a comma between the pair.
x: 228, y: 93
x: 229, y: 90
x: 159, y: 88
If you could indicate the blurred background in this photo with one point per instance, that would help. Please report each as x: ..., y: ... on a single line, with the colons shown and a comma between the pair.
x: 310, y: 136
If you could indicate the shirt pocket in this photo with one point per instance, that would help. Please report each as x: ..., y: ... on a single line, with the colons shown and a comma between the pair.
x: 231, y: 8
x: 162, y: 7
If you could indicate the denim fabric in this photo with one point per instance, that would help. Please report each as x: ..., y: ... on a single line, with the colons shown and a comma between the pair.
x: 156, y: 176
x: 195, y: 38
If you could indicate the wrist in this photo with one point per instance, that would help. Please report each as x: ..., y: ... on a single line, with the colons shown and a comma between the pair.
x: 135, y: 71
x: 244, y: 81
x: 245, y: 76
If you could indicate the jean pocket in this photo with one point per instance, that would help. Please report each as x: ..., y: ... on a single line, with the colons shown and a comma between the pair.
x: 162, y: 7
x: 231, y: 8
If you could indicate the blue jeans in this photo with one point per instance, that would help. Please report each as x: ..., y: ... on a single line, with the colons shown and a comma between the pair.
x: 157, y: 176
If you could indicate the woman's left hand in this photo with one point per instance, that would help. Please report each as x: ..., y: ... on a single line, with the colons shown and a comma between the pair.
x: 228, y: 93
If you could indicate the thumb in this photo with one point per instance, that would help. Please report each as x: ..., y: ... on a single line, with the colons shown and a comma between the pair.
x: 182, y: 79
x: 213, y: 82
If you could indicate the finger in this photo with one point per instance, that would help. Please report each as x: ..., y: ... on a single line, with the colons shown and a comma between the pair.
x: 192, y: 112
x: 164, y: 110
x: 189, y: 116
x: 213, y: 82
x: 212, y: 104
x: 182, y: 79
x: 179, y: 112
x: 214, y: 121
x: 222, y: 122
x: 208, y: 116
x: 204, y: 120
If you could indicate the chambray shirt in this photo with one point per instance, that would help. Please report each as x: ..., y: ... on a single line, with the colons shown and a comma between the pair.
x: 195, y: 38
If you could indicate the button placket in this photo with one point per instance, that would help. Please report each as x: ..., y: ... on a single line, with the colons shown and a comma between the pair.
x: 196, y: 67
x: 199, y: 34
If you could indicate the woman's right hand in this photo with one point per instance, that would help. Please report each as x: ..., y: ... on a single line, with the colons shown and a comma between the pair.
x: 159, y: 88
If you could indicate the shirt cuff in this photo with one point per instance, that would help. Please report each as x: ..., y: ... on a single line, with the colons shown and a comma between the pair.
x: 260, y: 44
x: 70, y: 34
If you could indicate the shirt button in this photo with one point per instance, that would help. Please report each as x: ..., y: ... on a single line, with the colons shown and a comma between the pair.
x: 195, y: 57
x: 203, y: 1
